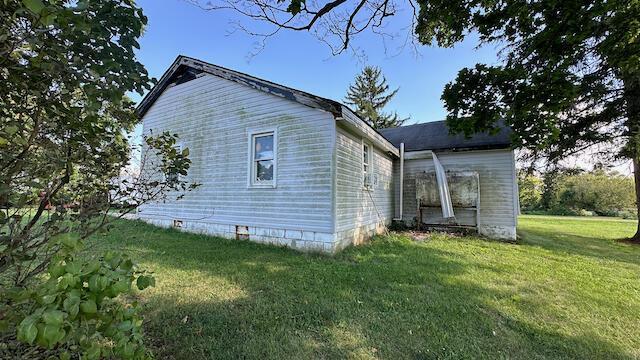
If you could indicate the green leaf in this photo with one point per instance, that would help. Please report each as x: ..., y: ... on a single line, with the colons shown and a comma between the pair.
x: 145, y: 281
x: 52, y: 334
x: 11, y: 129
x: 103, y: 282
x: 128, y: 349
x: 34, y: 6
x: 93, y: 283
x: 88, y: 307
x: 92, y: 266
x: 69, y: 241
x: 27, y: 330
x: 295, y: 6
x: 74, y: 267
x: 56, y: 270
x: 93, y: 352
x: 48, y: 299
x: 125, y: 325
x: 71, y: 305
x: 49, y: 19
x: 120, y: 287
x: 68, y: 280
x: 53, y: 317
x: 40, y: 338
x: 127, y: 265
x: 113, y: 259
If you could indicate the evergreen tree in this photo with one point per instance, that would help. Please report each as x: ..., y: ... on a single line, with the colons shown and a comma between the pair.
x: 370, y: 94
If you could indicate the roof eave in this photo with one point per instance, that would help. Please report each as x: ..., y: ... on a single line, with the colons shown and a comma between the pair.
x: 467, y: 148
x: 353, y: 122
x: 157, y: 89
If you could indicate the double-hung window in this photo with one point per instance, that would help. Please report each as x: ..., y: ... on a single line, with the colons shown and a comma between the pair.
x: 366, y: 165
x: 262, y: 166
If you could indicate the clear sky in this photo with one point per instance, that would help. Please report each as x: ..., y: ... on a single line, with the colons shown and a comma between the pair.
x: 298, y: 60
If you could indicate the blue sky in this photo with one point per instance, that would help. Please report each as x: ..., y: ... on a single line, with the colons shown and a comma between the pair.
x: 298, y: 60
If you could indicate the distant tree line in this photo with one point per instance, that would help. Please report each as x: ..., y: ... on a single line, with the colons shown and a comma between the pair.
x: 575, y: 191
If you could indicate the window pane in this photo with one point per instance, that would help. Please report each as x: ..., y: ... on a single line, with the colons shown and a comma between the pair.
x: 365, y: 154
x: 263, y: 147
x: 264, y: 170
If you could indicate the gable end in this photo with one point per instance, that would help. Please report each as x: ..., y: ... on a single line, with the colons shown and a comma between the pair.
x: 185, y: 69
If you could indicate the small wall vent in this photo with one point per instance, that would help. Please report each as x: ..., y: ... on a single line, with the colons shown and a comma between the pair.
x: 242, y: 232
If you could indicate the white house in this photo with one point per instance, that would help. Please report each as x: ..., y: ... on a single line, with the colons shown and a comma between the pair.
x: 282, y: 166
x: 488, y: 156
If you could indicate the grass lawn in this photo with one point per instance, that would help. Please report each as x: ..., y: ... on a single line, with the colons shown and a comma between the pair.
x: 567, y: 290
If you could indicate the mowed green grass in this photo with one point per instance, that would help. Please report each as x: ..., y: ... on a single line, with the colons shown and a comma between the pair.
x: 568, y: 289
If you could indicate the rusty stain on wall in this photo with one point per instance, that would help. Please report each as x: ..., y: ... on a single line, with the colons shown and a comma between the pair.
x: 465, y: 197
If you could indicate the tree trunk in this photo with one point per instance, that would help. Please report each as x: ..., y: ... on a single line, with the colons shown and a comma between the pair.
x: 636, y: 176
x: 632, y: 99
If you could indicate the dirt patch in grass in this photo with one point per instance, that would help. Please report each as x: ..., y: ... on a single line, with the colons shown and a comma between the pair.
x: 426, y: 235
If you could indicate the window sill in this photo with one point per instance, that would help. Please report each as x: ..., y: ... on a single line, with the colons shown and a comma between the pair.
x: 261, y: 186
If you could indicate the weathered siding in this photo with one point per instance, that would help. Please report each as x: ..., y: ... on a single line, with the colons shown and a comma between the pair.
x: 212, y: 117
x: 498, y: 187
x: 360, y: 212
x: 351, y: 121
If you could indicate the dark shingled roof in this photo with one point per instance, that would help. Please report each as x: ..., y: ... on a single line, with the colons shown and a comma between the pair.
x: 435, y: 136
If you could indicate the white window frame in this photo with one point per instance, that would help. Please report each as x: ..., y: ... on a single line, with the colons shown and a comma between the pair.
x: 369, y: 163
x: 252, y: 134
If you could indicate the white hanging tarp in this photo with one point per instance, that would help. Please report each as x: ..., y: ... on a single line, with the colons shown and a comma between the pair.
x: 443, y: 189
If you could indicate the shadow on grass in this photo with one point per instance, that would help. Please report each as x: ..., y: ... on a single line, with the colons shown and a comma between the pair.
x: 601, y: 249
x: 391, y: 299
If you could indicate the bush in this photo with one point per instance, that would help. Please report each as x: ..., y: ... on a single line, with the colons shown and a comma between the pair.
x: 79, y: 308
x: 563, y: 211
x: 576, y: 193
x: 625, y: 214
x: 604, y: 194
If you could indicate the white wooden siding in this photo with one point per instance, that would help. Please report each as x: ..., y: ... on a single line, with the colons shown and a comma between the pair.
x: 356, y: 207
x: 498, y: 187
x: 212, y: 116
